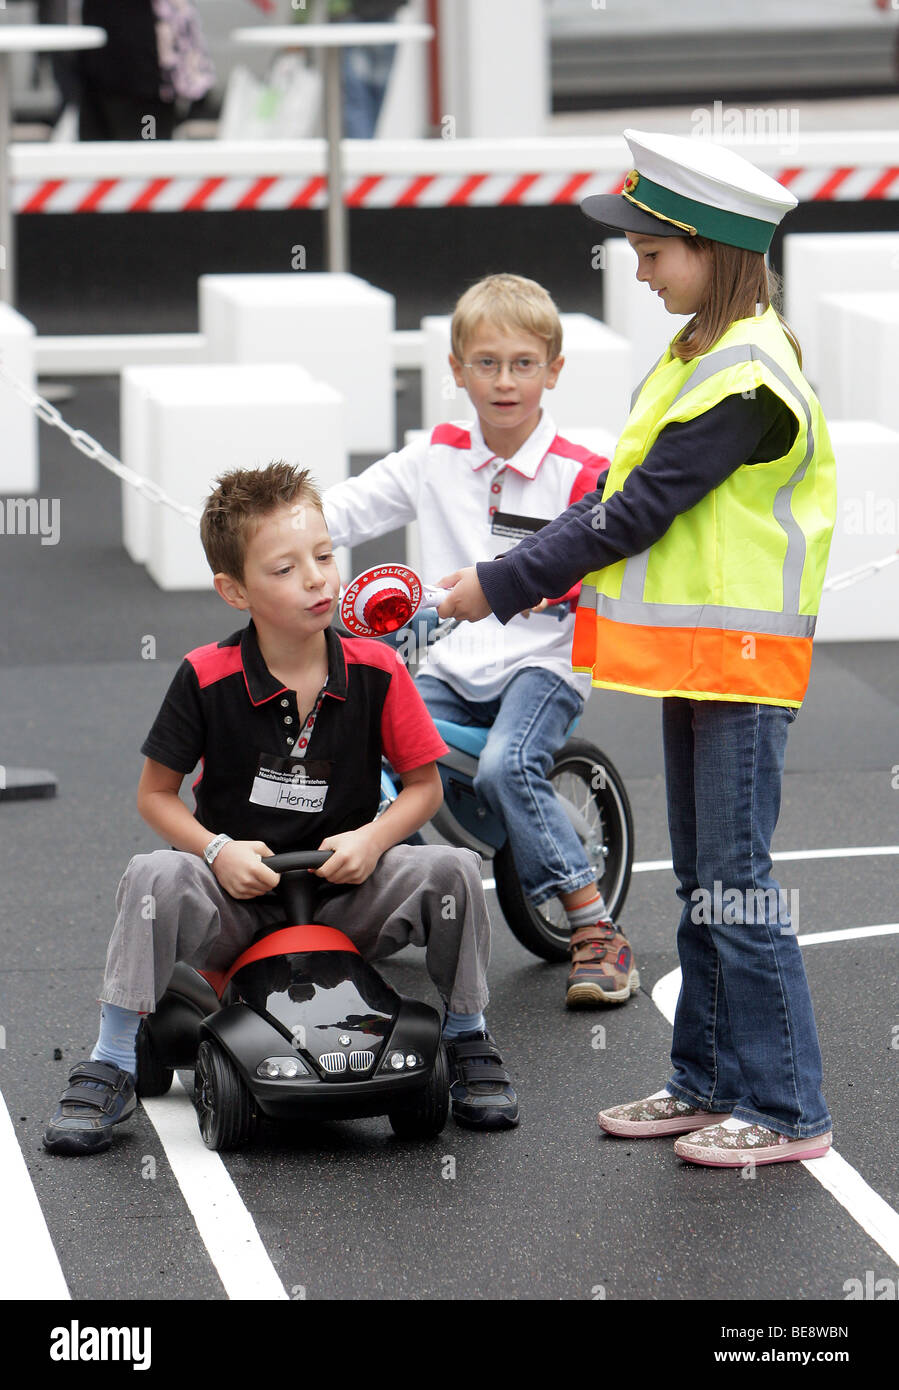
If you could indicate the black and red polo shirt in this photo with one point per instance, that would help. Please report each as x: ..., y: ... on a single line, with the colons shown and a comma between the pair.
x: 263, y: 776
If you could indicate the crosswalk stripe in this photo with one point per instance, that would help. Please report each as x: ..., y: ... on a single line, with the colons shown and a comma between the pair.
x: 225, y: 1226
x: 30, y: 1267
x: 844, y: 1183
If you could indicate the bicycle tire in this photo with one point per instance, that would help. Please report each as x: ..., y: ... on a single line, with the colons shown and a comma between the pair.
x: 544, y: 930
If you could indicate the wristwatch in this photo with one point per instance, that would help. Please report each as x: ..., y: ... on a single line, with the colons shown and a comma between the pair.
x: 214, y: 846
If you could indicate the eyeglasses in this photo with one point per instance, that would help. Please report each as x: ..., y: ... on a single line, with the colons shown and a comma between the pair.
x: 522, y: 367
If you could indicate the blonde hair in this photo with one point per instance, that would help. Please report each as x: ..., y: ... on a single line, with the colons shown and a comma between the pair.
x: 241, y: 498
x: 510, y: 302
x: 739, y: 281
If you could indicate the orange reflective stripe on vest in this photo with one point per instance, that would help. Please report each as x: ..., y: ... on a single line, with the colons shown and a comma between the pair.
x: 699, y: 663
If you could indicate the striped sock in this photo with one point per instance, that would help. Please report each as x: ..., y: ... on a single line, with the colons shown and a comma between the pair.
x: 594, y: 910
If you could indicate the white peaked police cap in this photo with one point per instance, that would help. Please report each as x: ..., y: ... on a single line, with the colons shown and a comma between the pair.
x: 686, y: 186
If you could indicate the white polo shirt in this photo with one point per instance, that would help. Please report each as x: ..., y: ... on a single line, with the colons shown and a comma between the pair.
x: 467, y: 500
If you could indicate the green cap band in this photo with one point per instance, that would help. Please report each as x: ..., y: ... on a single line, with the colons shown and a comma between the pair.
x: 733, y: 228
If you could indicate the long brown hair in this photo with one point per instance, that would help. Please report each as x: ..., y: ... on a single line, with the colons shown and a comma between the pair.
x: 739, y: 281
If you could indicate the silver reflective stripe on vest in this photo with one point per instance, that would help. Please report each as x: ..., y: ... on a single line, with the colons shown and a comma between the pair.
x: 717, y: 362
x: 637, y: 389
x: 699, y: 615
x: 633, y: 581
x: 634, y: 578
x: 794, y: 560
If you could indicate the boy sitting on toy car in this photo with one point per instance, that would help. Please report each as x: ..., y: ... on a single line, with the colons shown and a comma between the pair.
x: 289, y: 722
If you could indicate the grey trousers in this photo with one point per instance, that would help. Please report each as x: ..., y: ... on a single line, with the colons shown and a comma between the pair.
x: 171, y: 908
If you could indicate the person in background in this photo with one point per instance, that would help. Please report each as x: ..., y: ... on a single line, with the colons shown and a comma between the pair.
x: 890, y: 5
x: 155, y: 56
x: 472, y: 486
x: 366, y: 70
x: 64, y: 65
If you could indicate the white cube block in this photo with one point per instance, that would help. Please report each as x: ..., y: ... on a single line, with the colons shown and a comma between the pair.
x: 823, y: 263
x: 187, y: 424
x: 18, y: 422
x: 867, y: 529
x: 630, y: 308
x: 593, y: 388
x: 859, y: 356
x: 336, y: 326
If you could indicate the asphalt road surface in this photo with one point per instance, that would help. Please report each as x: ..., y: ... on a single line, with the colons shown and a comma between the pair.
x: 551, y: 1211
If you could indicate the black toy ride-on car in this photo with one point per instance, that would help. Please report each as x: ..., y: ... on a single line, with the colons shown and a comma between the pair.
x: 299, y: 1027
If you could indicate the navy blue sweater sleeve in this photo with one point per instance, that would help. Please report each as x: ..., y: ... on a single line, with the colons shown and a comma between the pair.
x: 685, y: 463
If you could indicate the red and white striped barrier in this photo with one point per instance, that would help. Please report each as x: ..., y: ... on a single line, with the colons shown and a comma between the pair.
x: 214, y: 175
x: 222, y: 193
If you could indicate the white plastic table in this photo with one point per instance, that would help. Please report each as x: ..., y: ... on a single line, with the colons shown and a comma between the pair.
x: 332, y: 38
x: 27, y: 38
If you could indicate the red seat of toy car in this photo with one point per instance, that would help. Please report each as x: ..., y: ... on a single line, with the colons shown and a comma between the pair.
x: 285, y: 941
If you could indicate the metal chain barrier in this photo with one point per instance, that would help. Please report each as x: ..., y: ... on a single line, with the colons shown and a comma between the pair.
x: 86, y: 444
x: 92, y: 449
x: 850, y: 577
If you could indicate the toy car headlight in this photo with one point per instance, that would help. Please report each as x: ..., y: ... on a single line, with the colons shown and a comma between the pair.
x: 275, y: 1068
x: 401, y: 1061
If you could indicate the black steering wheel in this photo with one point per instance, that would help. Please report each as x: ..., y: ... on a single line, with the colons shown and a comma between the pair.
x: 296, y: 860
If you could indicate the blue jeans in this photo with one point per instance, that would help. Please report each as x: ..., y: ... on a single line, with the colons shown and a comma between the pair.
x: 744, y: 1031
x: 528, y: 723
x: 366, y: 72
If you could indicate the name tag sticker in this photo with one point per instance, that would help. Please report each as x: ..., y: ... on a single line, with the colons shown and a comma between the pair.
x: 287, y: 785
x: 516, y: 527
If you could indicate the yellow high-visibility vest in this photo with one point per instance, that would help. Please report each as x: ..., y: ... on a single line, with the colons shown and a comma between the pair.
x: 723, y: 606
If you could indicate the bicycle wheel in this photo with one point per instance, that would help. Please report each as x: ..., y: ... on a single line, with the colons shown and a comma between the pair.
x: 597, y: 804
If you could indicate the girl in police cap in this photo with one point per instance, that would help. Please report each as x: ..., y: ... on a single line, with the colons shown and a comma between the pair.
x: 704, y: 560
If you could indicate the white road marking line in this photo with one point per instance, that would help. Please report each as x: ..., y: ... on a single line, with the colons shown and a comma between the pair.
x: 844, y: 1183
x: 649, y: 866
x: 30, y: 1267
x: 665, y: 994
x: 847, y: 933
x: 864, y: 1205
x: 225, y: 1226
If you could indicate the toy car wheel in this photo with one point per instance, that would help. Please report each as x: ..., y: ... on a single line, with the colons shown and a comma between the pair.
x: 225, y: 1110
x: 425, y: 1116
x: 153, y: 1079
